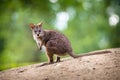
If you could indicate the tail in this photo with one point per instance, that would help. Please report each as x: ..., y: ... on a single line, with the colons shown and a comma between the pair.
x: 88, y: 54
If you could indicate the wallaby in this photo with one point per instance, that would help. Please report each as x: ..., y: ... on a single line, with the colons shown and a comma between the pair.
x: 55, y: 43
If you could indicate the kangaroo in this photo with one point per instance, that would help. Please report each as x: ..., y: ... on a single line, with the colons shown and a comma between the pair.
x: 55, y: 43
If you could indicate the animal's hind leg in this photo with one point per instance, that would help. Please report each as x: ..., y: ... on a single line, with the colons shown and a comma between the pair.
x: 58, y: 59
x: 50, y: 57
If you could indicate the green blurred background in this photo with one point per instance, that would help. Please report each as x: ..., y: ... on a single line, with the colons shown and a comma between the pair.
x: 89, y: 25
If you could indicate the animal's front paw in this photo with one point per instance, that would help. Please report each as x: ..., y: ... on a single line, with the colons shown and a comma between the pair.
x: 40, y: 48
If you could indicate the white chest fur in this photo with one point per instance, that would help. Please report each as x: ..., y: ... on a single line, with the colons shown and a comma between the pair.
x: 38, y: 41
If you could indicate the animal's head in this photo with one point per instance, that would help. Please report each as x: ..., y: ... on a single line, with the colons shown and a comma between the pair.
x: 37, y: 29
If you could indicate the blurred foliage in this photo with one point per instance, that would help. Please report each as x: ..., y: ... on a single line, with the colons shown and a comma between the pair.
x: 91, y: 25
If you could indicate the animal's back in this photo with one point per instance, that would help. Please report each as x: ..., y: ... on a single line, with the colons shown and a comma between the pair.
x: 58, y: 43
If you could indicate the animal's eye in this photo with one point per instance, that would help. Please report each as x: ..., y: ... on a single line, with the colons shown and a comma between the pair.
x: 39, y: 30
x: 35, y: 31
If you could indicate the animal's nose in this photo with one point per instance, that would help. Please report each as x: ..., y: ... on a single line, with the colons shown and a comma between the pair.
x: 37, y: 34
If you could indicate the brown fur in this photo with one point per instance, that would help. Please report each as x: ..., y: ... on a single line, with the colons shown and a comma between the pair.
x: 55, y: 43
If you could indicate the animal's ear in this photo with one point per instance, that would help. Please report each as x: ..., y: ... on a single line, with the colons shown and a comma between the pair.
x: 31, y: 25
x: 40, y: 24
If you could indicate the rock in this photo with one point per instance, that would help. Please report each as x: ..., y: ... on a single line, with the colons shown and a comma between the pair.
x: 95, y: 67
